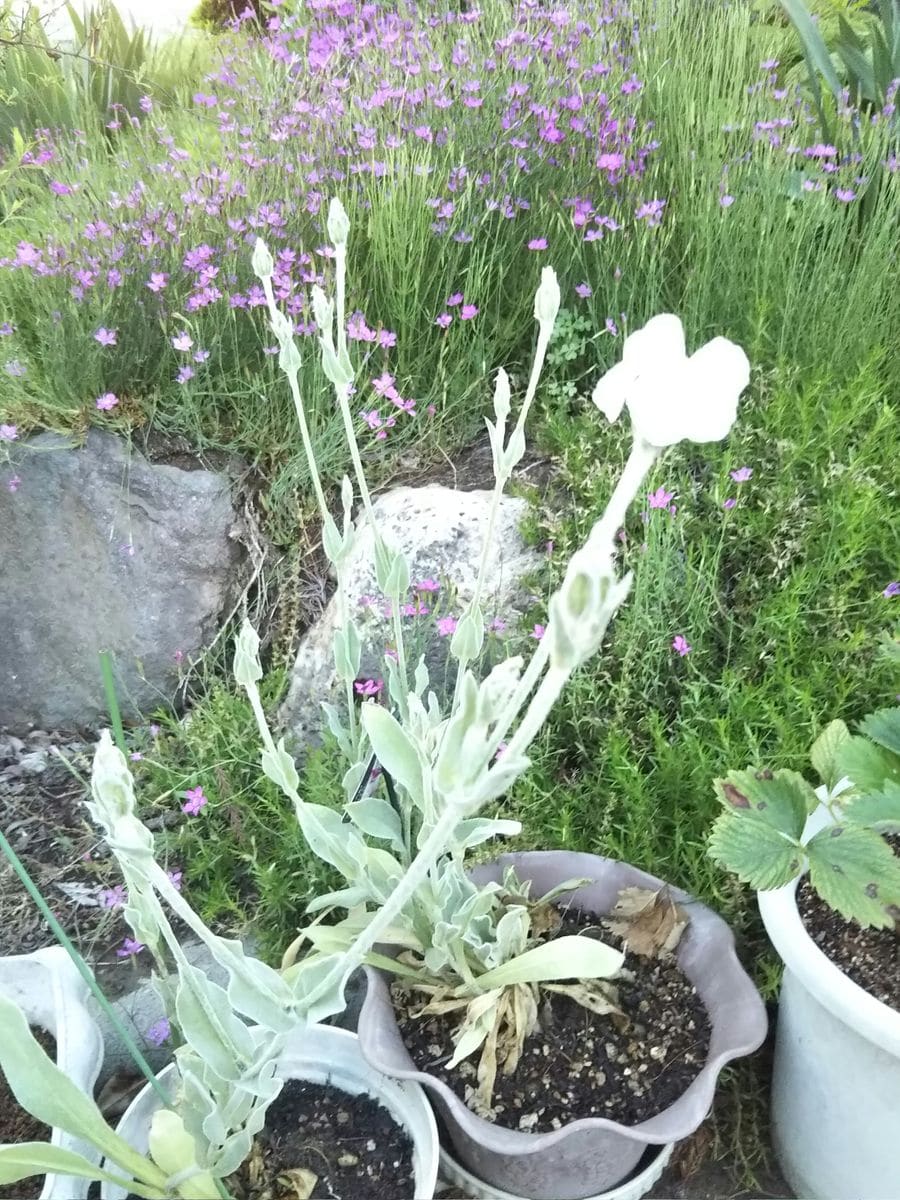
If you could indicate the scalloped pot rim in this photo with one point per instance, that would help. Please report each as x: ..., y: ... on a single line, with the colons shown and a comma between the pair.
x: 694, y: 1102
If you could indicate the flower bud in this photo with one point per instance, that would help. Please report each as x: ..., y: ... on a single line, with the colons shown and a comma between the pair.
x: 323, y: 310
x: 338, y: 223
x: 262, y: 262
x: 547, y: 298
x: 247, y: 670
x: 501, y: 397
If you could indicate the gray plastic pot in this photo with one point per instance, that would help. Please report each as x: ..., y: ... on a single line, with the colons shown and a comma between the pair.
x: 594, y: 1154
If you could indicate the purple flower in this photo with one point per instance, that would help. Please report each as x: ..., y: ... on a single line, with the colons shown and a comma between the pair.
x: 660, y: 498
x: 583, y: 290
x: 146, y: 104
x: 650, y: 211
x: 444, y: 320
x: 497, y: 625
x: 729, y: 503
x: 135, y: 755
x: 106, y: 337
x: 368, y: 687
x: 157, y: 281
x: 725, y: 200
x: 175, y: 879
x: 160, y: 1031
x: 769, y: 65
x: 611, y: 327
x: 468, y: 311
x: 892, y: 589
x: 129, y: 947
x: 12, y: 485
x: 184, y: 374
x: 538, y: 632
x: 200, y: 356
x: 742, y: 474
x: 7, y: 329
x: 194, y: 801
x: 446, y: 625
x: 845, y: 195
x: 107, y: 401
x: 15, y: 368
x: 114, y: 897
x: 60, y: 189
x: 415, y: 610
x: 537, y: 244
x: 183, y: 341
x: 8, y: 433
x: 427, y: 585
x: 454, y: 300
x: 680, y: 645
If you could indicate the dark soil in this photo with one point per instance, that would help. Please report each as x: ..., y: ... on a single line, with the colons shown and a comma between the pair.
x: 16, y: 1125
x: 579, y: 1064
x: 353, y: 1146
x: 870, y: 957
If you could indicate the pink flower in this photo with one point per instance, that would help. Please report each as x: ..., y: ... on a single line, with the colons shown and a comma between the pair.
x: 446, y: 625
x: 13, y: 484
x: 660, y: 498
x: 497, y: 625
x: 583, y: 290
x: 443, y: 320
x: 384, y: 384
x: 537, y: 244
x: 129, y: 947
x: 114, y: 897
x: 157, y: 281
x: 160, y: 1031
x: 107, y: 401
x: 200, y: 356
x: 175, y: 879
x: 106, y: 337
x: 368, y: 687
x: 8, y: 433
x: 415, y: 610
x: 501, y: 750
x: 729, y: 503
x: 742, y: 474
x: 387, y: 339
x: 182, y: 341
x: 468, y: 311
x: 184, y: 374
x: 680, y: 646
x: 194, y: 801
x: 454, y: 300
x: 135, y: 756
x: 427, y: 585
x: 538, y: 632
x: 60, y: 189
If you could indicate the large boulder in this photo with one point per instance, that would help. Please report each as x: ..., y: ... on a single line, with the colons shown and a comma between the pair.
x: 103, y: 550
x: 441, y: 531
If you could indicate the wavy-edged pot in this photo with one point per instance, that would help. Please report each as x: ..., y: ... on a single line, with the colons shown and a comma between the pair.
x: 317, y: 1054
x: 836, y: 1079
x: 593, y: 1154
x: 48, y: 988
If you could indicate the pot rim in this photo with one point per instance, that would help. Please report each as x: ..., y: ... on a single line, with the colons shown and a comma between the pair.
x: 657, y: 1130
x: 866, y: 1015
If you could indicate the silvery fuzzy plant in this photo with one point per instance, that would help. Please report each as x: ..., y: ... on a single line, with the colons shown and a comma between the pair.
x: 478, y: 950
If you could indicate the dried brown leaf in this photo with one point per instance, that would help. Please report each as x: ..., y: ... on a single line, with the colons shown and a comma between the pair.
x: 297, y: 1184
x: 545, y: 920
x: 591, y: 995
x: 650, y: 923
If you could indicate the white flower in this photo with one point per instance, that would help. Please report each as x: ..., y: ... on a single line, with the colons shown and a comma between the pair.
x: 672, y: 397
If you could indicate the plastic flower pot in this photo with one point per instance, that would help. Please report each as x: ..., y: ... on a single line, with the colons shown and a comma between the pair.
x: 648, y: 1172
x: 319, y: 1054
x: 836, y: 1081
x: 592, y: 1155
x: 48, y: 988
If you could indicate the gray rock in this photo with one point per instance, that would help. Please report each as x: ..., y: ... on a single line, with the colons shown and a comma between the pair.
x: 441, y: 531
x: 102, y: 550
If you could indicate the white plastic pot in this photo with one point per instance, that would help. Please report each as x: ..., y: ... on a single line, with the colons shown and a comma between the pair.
x: 638, y: 1185
x: 47, y: 987
x: 320, y: 1054
x: 836, y: 1086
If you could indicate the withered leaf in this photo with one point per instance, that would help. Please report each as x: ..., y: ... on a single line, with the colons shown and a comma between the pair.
x: 545, y: 919
x: 650, y: 923
x: 297, y: 1184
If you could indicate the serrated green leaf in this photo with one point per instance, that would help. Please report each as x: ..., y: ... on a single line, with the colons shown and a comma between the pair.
x: 749, y: 847
x: 824, y: 752
x: 867, y: 765
x: 876, y: 809
x: 883, y: 727
x: 856, y: 873
x: 393, y: 747
x: 781, y: 799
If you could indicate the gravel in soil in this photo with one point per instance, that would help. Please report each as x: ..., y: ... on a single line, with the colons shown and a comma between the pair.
x: 322, y: 1143
x: 870, y: 957
x: 16, y: 1125
x: 578, y: 1064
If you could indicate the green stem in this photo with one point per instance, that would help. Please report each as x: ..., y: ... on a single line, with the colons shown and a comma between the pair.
x: 83, y: 969
x: 112, y: 700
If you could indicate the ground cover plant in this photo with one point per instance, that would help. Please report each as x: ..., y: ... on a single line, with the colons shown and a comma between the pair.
x: 658, y: 161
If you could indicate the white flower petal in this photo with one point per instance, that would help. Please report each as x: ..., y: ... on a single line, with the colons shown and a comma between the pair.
x: 716, y: 376
x: 611, y: 391
x: 661, y: 339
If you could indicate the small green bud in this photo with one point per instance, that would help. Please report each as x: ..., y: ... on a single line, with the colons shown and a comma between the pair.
x: 247, y: 670
x: 262, y: 262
